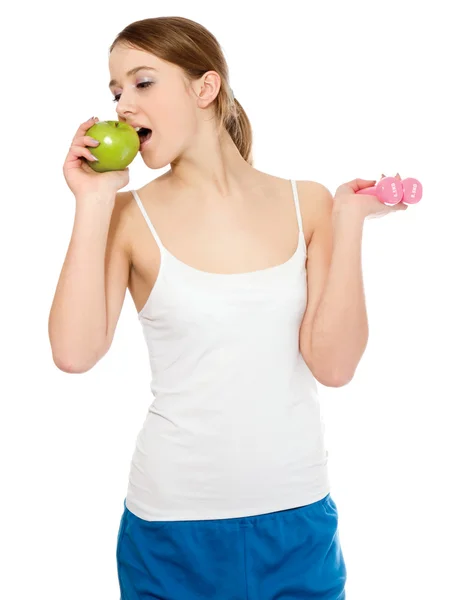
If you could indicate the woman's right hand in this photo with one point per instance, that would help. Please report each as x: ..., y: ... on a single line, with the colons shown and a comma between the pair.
x: 80, y: 177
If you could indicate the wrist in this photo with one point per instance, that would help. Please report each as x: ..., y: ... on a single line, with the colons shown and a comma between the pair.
x: 351, y: 211
x: 93, y: 199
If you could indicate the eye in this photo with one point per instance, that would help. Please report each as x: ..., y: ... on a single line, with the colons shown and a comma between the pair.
x: 142, y: 86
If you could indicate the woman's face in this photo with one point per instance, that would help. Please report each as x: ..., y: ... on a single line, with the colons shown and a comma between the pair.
x: 157, y: 97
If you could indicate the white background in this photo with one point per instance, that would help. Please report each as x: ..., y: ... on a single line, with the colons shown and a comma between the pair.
x: 334, y: 91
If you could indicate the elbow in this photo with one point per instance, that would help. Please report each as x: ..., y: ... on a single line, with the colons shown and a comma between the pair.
x: 77, y: 366
x: 335, y: 373
x: 330, y: 373
x: 335, y: 383
x: 334, y: 379
x: 72, y: 367
x: 340, y: 381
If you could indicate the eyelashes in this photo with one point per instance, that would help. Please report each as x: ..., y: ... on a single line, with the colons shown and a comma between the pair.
x: 143, y: 85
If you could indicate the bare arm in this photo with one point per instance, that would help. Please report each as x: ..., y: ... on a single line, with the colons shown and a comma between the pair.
x: 334, y: 331
x: 92, y: 285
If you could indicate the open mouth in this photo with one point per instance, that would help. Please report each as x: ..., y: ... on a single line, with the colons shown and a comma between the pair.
x: 144, y: 134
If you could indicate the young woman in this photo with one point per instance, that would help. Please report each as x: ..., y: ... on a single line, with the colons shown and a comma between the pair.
x: 239, y: 280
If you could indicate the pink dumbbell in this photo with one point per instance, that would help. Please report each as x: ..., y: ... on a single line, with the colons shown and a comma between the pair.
x: 390, y: 190
x: 412, y: 191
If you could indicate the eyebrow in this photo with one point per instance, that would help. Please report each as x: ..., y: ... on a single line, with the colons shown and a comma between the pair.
x: 132, y: 72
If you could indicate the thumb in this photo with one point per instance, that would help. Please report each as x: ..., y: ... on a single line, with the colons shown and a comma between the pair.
x: 365, y: 181
x: 360, y: 184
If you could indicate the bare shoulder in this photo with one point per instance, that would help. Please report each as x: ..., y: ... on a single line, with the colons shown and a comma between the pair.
x: 316, y: 196
x: 315, y: 202
x: 123, y: 203
x: 124, y: 214
x: 135, y: 226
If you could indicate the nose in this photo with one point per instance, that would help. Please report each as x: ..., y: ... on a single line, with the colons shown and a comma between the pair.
x: 124, y: 113
x: 124, y: 105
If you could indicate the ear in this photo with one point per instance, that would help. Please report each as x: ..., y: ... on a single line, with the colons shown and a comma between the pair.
x: 207, y: 88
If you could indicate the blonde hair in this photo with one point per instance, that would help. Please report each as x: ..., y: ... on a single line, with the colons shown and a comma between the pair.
x: 195, y: 50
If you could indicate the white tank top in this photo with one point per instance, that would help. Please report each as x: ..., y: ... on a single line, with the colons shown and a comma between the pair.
x: 235, y: 427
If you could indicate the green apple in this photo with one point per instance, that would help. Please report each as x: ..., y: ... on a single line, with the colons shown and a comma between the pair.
x: 119, y: 144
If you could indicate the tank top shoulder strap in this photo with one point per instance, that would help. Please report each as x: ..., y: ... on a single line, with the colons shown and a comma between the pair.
x: 296, y: 202
x: 148, y: 221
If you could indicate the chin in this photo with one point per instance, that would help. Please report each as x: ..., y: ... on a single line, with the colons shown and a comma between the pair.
x: 158, y: 158
x: 154, y: 162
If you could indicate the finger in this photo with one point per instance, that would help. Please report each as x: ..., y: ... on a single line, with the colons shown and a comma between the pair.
x: 353, y: 186
x: 360, y: 184
x: 84, y: 127
x: 85, y: 140
x: 76, y: 152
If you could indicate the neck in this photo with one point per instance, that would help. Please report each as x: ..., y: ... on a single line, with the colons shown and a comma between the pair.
x: 212, y: 168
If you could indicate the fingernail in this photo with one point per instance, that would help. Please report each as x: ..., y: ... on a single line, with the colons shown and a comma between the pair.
x: 97, y: 142
x: 93, y: 157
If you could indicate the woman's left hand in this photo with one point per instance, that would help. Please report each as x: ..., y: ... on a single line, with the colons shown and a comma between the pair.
x: 364, y: 205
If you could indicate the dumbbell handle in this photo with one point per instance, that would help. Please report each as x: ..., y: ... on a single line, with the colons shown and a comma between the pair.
x: 388, y: 190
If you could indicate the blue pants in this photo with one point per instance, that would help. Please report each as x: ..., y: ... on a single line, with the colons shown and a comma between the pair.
x: 291, y: 554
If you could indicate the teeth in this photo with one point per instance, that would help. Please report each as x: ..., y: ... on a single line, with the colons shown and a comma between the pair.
x: 137, y: 128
